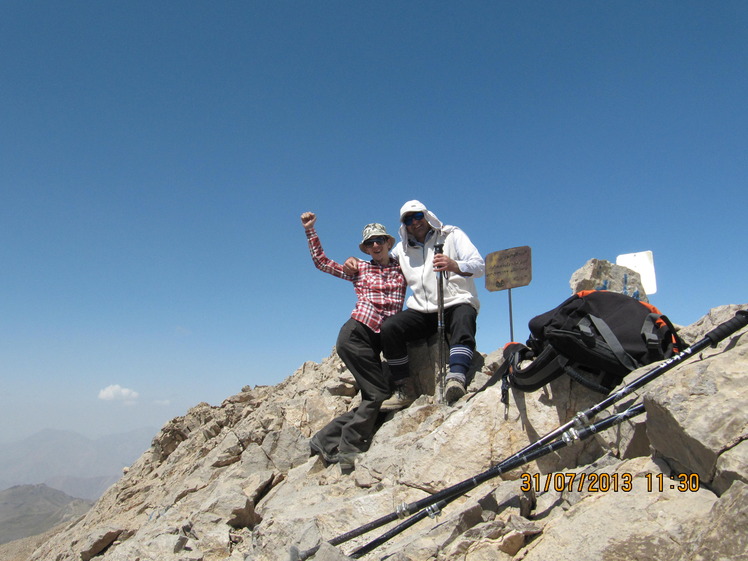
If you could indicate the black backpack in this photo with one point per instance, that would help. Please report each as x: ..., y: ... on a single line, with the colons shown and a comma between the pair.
x: 596, y: 337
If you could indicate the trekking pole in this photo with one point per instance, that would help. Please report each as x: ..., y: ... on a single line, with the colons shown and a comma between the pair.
x: 580, y: 422
x: 514, y: 462
x: 442, y: 348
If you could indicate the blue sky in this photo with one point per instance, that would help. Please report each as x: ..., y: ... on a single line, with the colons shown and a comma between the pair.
x: 155, y: 158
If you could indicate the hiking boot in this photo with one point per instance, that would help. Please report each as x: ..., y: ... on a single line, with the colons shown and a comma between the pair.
x: 454, y: 390
x: 316, y: 447
x: 347, y: 461
x: 401, y: 398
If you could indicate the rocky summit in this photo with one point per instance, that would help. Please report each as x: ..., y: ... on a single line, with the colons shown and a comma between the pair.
x: 237, y: 482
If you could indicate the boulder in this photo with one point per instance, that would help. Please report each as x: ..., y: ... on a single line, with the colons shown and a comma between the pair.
x: 598, y: 274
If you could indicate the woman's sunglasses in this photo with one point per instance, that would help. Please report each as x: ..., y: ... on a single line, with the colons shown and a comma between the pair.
x: 371, y: 241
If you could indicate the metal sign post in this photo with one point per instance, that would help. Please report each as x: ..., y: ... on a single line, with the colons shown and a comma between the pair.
x: 507, y: 269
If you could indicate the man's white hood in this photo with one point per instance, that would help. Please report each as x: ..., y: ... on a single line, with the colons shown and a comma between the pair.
x: 418, y: 206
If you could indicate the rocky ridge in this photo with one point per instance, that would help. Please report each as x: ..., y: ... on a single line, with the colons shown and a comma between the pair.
x: 236, y: 482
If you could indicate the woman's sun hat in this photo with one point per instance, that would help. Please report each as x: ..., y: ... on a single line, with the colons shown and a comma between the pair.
x: 373, y: 230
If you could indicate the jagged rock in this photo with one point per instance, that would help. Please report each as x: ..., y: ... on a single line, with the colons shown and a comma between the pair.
x: 598, y: 274
x: 97, y: 542
x: 330, y: 553
x: 700, y: 416
x: 731, y: 466
x: 235, y: 482
x: 722, y: 534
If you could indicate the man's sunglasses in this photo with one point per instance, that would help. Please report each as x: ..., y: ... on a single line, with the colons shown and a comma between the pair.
x: 371, y: 241
x: 408, y: 220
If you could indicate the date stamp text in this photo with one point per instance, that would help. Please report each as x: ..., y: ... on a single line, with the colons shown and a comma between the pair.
x: 608, y: 482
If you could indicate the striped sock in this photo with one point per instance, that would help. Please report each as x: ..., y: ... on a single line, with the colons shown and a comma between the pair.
x: 460, y: 357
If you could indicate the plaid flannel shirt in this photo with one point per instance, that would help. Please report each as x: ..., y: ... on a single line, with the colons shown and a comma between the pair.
x: 380, y: 289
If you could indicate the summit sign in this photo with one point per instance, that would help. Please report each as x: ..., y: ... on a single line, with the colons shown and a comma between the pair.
x: 509, y: 268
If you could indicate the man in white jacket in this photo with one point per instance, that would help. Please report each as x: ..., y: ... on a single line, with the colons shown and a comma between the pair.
x: 460, y: 264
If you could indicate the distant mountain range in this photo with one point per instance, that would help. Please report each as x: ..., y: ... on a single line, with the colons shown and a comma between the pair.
x: 27, y: 510
x: 70, y: 462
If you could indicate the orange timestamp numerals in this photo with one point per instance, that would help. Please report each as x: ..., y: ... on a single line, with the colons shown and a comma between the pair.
x: 682, y: 482
x: 591, y: 482
x: 607, y: 482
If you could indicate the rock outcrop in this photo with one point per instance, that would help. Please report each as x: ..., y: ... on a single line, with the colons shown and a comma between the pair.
x: 599, y: 274
x: 236, y: 482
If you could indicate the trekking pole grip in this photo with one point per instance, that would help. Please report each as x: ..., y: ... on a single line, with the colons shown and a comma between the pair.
x: 726, y: 329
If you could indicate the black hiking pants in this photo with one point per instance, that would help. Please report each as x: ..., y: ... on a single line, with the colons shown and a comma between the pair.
x: 359, y: 348
x: 409, y: 325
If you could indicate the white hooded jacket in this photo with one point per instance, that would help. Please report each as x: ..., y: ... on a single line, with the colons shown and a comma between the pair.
x: 416, y: 261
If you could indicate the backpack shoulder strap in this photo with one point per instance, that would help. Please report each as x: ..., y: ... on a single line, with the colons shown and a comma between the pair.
x: 545, y: 367
x: 587, y: 382
x: 607, y: 334
x: 653, y: 336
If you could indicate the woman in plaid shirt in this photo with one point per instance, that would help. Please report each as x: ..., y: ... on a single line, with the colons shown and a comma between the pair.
x: 380, y: 288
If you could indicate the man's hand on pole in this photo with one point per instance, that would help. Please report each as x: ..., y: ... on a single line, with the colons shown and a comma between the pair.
x: 444, y: 263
